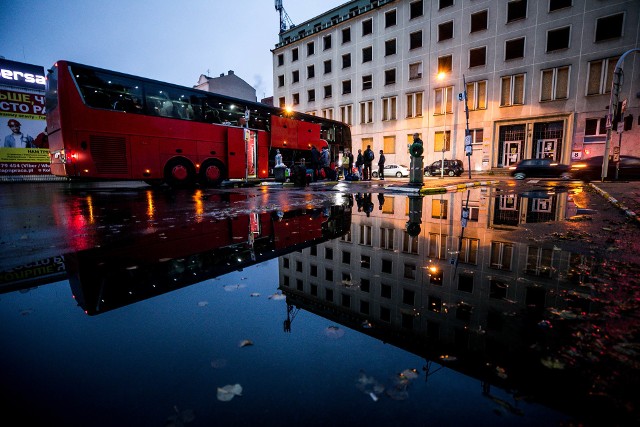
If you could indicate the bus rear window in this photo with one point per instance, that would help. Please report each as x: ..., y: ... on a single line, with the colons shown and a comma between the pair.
x: 51, y: 94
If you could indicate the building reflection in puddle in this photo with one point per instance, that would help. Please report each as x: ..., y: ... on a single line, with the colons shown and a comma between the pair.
x: 443, y: 277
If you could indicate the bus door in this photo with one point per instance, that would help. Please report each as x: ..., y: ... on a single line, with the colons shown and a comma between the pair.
x: 236, y: 153
x: 251, y: 144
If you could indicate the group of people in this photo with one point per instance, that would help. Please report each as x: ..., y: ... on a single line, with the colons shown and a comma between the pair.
x: 363, y: 164
x: 320, y: 166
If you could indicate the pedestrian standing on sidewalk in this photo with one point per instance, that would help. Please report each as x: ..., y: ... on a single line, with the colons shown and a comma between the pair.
x: 381, y: 161
x: 359, y: 164
x: 368, y: 159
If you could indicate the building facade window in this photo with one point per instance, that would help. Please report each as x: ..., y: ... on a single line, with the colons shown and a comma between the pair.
x: 501, y: 255
x: 327, y: 113
x: 414, y: 104
x: 469, y: 250
x: 311, y: 48
x: 346, y: 114
x: 386, y: 238
x: 415, y: 71
x: 282, y: 102
x: 366, y: 112
x: 558, y: 39
x: 296, y: 98
x: 294, y: 54
x: 346, y: 87
x: 390, y: 76
x: 514, y: 49
x: 281, y: 80
x: 442, y: 141
x: 326, y: 42
x: 367, y: 54
x: 311, y: 95
x: 311, y: 71
x: 443, y: 100
x: 295, y: 76
x: 367, y: 27
x: 389, y: 147
x: 280, y: 59
x: 327, y: 91
x: 390, y: 18
x: 600, y: 75
x: 346, y: 35
x: 609, y: 27
x: 367, y: 82
x: 445, y: 64
x: 415, y: 40
x: 516, y: 10
x: 477, y: 57
x: 477, y: 95
x: 554, y: 83
x: 390, y: 47
x: 444, y: 3
x: 437, y: 244
x: 445, y: 31
x: 389, y: 108
x: 346, y: 60
x: 479, y: 21
x: 327, y: 66
x: 416, y: 9
x: 512, y: 90
x: 596, y: 126
x: 558, y: 4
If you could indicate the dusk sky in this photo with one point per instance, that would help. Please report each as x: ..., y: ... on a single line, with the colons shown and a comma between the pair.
x: 168, y: 40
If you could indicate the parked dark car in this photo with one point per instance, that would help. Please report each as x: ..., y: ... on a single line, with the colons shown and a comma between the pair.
x: 451, y: 168
x: 591, y: 168
x: 540, y: 168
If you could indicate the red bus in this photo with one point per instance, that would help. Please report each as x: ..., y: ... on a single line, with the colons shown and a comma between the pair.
x: 108, y: 125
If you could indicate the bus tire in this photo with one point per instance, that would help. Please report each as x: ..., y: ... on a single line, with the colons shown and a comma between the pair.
x: 179, y: 173
x: 212, y: 173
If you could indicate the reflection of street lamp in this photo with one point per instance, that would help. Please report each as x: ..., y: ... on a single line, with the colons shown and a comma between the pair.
x: 445, y: 94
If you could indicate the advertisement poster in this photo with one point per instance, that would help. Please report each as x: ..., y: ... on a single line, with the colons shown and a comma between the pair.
x: 24, y: 149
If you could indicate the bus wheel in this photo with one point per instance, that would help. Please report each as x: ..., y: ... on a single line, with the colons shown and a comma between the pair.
x: 212, y: 173
x: 179, y: 173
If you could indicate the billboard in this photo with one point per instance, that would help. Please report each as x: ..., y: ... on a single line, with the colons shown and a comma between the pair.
x: 24, y: 149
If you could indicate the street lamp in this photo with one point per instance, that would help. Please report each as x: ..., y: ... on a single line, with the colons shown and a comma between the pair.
x: 445, y: 95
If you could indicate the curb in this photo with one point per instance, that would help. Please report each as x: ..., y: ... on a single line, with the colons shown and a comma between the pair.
x: 628, y: 212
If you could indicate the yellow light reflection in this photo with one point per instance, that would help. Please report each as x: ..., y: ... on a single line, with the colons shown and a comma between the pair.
x: 151, y: 209
x: 90, y: 209
x: 197, y: 198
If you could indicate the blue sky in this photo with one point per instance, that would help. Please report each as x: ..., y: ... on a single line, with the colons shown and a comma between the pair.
x: 168, y: 40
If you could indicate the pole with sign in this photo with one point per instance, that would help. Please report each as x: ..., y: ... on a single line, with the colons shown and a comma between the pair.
x: 468, y: 149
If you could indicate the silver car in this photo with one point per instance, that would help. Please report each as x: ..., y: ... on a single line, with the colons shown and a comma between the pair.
x: 391, y: 170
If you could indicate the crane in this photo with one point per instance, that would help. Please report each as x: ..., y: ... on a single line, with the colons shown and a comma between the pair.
x: 285, y: 21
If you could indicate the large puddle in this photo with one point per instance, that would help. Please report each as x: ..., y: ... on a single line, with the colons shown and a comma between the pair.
x: 477, y: 307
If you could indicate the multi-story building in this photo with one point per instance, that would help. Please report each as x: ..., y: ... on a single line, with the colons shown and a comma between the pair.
x: 537, y: 75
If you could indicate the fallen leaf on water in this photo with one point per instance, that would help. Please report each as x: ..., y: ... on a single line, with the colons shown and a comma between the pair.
x: 277, y: 296
x: 228, y: 392
x: 245, y: 343
x: 334, y: 332
x: 255, y: 294
x: 203, y: 303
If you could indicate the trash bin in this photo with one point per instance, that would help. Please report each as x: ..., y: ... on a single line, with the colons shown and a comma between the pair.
x: 278, y: 174
x: 416, y: 171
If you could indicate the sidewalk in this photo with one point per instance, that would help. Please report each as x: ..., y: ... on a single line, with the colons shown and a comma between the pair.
x: 624, y: 195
